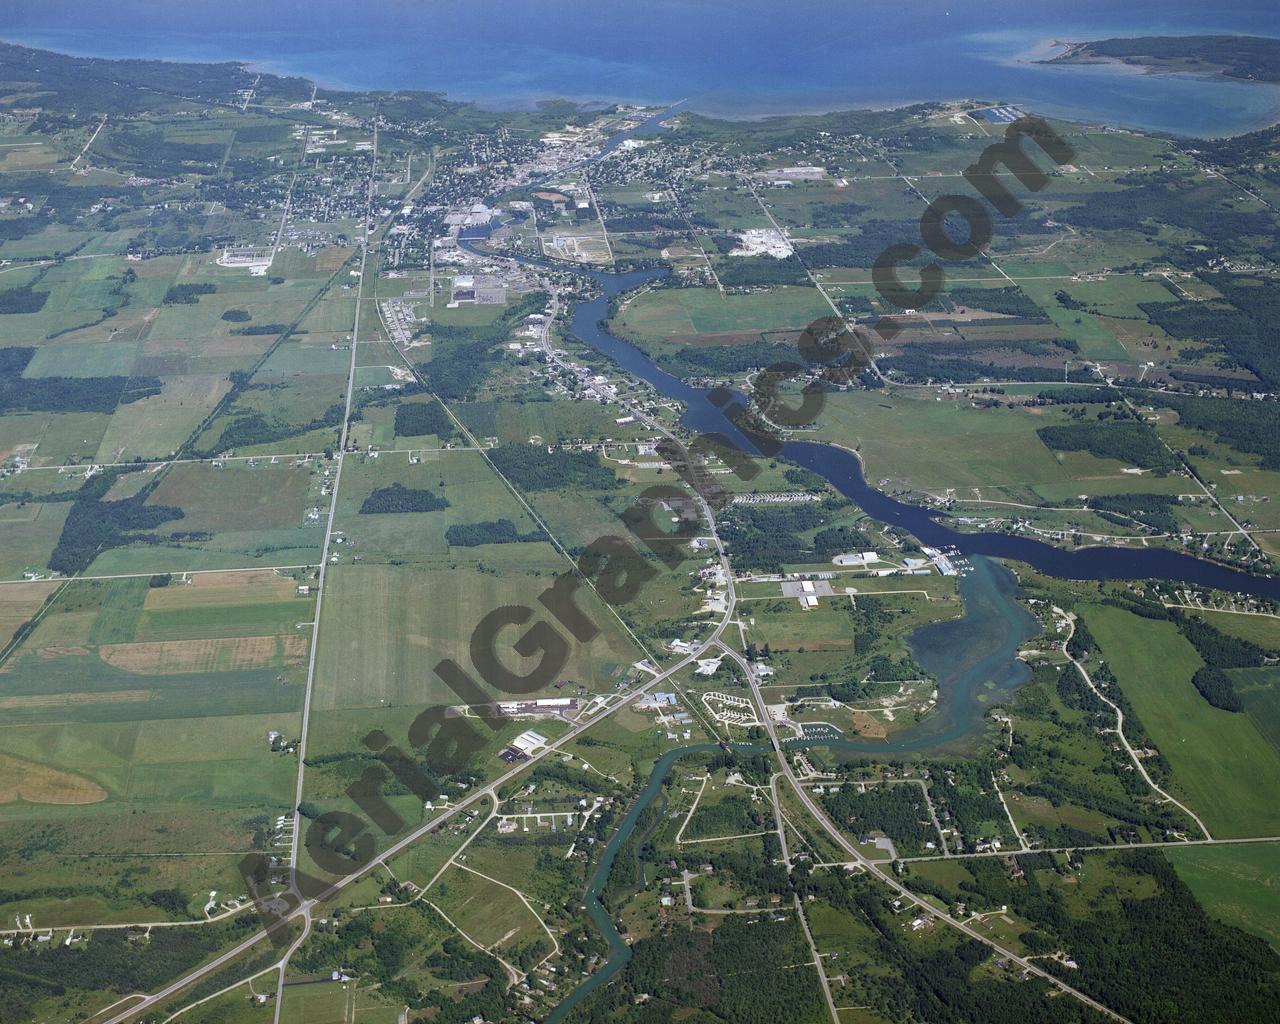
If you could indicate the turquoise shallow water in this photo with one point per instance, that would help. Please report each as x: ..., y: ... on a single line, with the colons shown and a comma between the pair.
x: 744, y: 58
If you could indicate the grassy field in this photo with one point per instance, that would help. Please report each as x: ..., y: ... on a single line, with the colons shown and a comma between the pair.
x: 911, y: 439
x: 465, y: 480
x: 1263, y: 630
x: 1236, y: 884
x: 134, y: 725
x: 681, y: 312
x: 1259, y: 690
x: 1228, y: 772
x: 385, y: 627
x: 488, y: 913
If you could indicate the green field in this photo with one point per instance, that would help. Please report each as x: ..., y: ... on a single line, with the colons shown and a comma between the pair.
x: 1236, y: 884
x: 682, y: 312
x: 135, y: 724
x: 1228, y: 772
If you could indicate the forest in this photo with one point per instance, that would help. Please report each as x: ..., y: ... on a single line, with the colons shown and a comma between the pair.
x: 532, y: 468
x: 417, y: 419
x: 399, y: 498
x: 1127, y: 441
x: 765, y: 537
x: 497, y: 531
x: 899, y: 810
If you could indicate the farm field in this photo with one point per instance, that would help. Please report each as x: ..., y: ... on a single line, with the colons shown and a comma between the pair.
x: 935, y: 445
x: 236, y: 515
x: 384, y: 627
x: 1228, y: 772
x: 474, y: 493
x: 1236, y: 884
x: 679, y: 314
x: 136, y: 719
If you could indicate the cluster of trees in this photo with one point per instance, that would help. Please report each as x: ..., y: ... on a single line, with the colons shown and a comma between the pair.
x: 496, y: 531
x: 74, y: 89
x: 1058, y: 772
x: 656, y: 219
x: 964, y: 792
x: 399, y: 498
x: 738, y: 973
x: 1144, y: 956
x: 898, y: 810
x: 187, y: 294
x: 933, y: 981
x: 1178, y: 199
x: 463, y: 356
x: 760, y: 272
x: 72, y: 394
x: 965, y: 362
x: 94, y: 525
x: 109, y: 961
x: 1247, y: 426
x: 1255, y: 58
x: 1214, y: 646
x: 417, y: 419
x: 531, y: 467
x: 1012, y: 301
x: 766, y: 537
x: 862, y: 249
x: 1216, y: 649
x: 23, y: 299
x: 836, y: 215
x: 721, y: 360
x: 734, y: 815
x: 1126, y: 441
x: 1216, y: 687
x: 1246, y: 330
x: 1153, y: 510
x: 1082, y: 646
x: 255, y: 428
x: 264, y: 330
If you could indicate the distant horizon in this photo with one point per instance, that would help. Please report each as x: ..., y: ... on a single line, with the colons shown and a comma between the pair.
x: 867, y: 58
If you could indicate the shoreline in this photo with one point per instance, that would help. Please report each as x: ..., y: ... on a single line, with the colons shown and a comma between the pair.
x: 721, y: 105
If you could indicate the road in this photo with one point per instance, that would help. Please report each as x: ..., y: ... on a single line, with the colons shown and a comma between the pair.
x: 302, y: 912
x: 874, y: 869
x: 102, y: 124
x: 1119, y: 729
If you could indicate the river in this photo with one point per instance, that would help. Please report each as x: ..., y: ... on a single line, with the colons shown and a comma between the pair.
x: 972, y: 657
x: 619, y: 951
x: 843, y: 470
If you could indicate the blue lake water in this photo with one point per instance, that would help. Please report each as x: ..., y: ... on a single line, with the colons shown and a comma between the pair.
x: 729, y: 57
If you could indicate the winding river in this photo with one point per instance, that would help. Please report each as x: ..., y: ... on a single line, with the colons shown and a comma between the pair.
x: 619, y: 951
x: 843, y: 470
x: 973, y: 657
